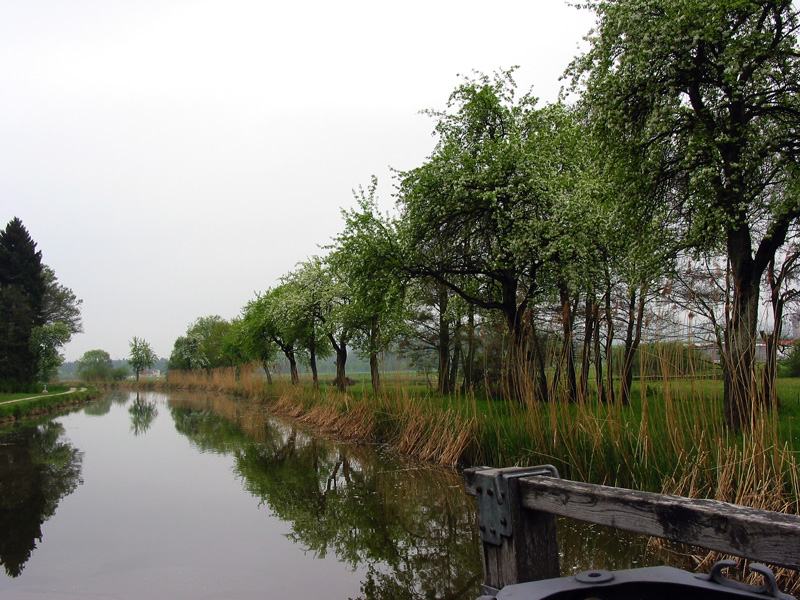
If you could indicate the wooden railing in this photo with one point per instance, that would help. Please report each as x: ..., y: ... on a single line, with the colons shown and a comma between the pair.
x: 517, y: 510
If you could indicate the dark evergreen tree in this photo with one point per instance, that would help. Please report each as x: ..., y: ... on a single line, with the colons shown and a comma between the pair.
x: 22, y: 294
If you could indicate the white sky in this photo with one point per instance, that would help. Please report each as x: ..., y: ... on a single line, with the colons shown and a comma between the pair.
x: 172, y: 157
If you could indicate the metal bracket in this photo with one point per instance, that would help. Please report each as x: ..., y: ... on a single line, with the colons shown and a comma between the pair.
x: 494, y: 511
x: 768, y: 588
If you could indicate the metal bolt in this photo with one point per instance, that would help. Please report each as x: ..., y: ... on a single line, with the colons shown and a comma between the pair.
x: 503, y: 521
x: 492, y: 530
x: 482, y: 527
x: 490, y: 492
x: 479, y: 489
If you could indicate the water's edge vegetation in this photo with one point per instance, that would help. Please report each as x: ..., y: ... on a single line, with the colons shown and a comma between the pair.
x: 56, y: 400
x: 671, y: 439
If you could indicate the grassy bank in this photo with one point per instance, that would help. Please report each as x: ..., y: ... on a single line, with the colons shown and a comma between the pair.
x: 670, y: 435
x: 18, y: 406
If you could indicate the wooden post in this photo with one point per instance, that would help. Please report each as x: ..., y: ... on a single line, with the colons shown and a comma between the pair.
x: 518, y: 544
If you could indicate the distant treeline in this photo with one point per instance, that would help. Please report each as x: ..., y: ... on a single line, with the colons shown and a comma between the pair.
x: 68, y: 370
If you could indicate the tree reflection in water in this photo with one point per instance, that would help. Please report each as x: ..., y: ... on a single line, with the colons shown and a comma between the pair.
x: 143, y: 413
x: 37, y: 469
x: 412, y: 527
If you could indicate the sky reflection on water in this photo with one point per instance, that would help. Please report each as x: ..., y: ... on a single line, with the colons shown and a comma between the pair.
x: 184, y: 505
x: 147, y: 495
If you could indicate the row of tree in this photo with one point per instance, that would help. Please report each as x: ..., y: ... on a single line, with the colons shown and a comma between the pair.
x: 97, y: 366
x: 534, y: 239
x: 38, y: 315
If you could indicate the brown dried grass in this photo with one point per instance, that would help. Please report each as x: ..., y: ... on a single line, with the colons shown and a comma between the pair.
x: 758, y: 472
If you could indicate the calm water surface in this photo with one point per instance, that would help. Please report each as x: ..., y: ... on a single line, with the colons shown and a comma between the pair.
x: 147, y: 495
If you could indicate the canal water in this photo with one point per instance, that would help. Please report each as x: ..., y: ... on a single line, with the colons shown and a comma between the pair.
x: 151, y: 495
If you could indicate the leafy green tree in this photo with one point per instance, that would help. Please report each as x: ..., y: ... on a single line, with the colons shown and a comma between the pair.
x: 337, y: 313
x: 60, y: 305
x: 698, y: 102
x: 202, y: 346
x: 184, y: 355
x: 376, y: 284
x: 270, y: 319
x: 45, y: 342
x: 255, y: 341
x: 62, y: 319
x: 484, y: 215
x: 22, y: 292
x: 465, y: 212
x: 120, y: 373
x: 210, y: 332
x: 38, y: 315
x: 233, y: 348
x: 305, y: 294
x: 95, y: 365
x: 142, y: 356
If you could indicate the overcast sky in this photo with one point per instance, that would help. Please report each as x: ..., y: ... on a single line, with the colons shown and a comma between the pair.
x: 171, y: 158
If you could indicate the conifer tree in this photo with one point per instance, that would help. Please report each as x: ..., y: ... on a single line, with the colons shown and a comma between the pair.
x: 22, y: 293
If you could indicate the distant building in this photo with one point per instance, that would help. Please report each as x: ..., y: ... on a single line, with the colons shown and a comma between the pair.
x: 784, y: 347
x: 150, y: 373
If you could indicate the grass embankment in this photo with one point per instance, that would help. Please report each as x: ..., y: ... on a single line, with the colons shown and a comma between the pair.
x: 17, y: 406
x: 670, y: 439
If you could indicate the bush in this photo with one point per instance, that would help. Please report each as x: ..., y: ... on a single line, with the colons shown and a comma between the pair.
x: 790, y: 366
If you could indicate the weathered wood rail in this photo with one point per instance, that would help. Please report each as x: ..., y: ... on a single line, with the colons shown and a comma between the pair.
x: 517, y: 510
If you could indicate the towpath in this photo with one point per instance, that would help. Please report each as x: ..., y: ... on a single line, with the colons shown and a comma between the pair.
x: 69, y: 391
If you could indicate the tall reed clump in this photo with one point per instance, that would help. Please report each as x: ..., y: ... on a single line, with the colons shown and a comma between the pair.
x: 329, y: 411
x: 670, y: 431
x: 756, y: 469
x: 421, y: 427
x: 414, y: 425
x: 671, y: 439
x: 633, y: 446
x: 246, y: 381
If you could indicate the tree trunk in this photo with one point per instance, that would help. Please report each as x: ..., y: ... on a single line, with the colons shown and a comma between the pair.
x: 586, y: 354
x: 375, y: 373
x: 313, y: 364
x: 265, y: 366
x: 598, y: 355
x: 567, y: 358
x: 529, y: 354
x: 341, y: 373
x: 374, y: 370
x: 633, y: 337
x: 293, y: 367
x: 778, y: 301
x: 609, y: 348
x: 739, y: 364
x: 469, y: 359
x: 444, y: 340
x: 341, y: 360
x: 456, y: 358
